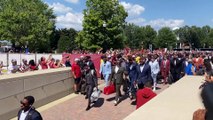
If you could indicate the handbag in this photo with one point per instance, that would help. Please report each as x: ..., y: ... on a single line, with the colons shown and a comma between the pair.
x: 109, y: 89
x: 95, y: 94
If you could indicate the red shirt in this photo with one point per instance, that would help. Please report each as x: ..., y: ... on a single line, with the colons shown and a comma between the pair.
x: 52, y: 65
x: 33, y: 68
x: 143, y: 96
x: 44, y: 65
x: 77, y: 70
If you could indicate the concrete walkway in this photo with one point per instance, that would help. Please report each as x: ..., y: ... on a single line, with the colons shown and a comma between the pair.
x: 73, y: 108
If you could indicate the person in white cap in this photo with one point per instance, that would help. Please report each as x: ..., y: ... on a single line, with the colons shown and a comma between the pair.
x: 13, y: 68
x: 25, y: 66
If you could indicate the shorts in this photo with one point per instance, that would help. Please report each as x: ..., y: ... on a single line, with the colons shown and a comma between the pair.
x: 77, y: 80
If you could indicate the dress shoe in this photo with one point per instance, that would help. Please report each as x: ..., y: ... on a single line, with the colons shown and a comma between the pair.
x: 88, y: 108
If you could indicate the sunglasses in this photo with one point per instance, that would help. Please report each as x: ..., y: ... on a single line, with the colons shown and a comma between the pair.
x: 24, y: 104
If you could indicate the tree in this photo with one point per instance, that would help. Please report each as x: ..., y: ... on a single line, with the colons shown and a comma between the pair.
x: 165, y: 38
x: 209, y: 39
x: 26, y: 21
x: 66, y: 40
x: 134, y: 36
x: 149, y: 36
x: 64, y: 44
x: 103, y: 24
x: 205, y: 41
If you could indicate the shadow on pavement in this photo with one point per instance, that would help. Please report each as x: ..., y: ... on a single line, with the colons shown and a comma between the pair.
x: 99, y: 103
x: 111, y: 99
x: 133, y: 102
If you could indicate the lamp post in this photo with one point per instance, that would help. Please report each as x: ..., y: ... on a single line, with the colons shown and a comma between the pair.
x: 192, y: 45
x: 104, y: 43
x: 178, y: 41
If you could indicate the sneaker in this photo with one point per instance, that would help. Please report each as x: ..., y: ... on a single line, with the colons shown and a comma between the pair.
x: 115, y: 103
x: 154, y: 89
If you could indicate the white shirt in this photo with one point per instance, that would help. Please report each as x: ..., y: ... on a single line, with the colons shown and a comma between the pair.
x: 154, y: 67
x: 23, y: 114
x: 116, y: 69
x: 211, y: 64
x: 186, y: 63
x: 11, y: 68
x: 131, y: 66
x: 141, y: 68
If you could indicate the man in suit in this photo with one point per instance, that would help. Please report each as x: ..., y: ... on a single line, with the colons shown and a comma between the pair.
x: 91, y: 83
x: 144, y: 71
x: 106, y: 70
x: 176, y: 65
x: 132, y: 72
x: 118, y: 74
x: 27, y: 111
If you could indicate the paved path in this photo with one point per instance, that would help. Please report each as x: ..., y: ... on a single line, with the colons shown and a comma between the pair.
x: 104, y: 109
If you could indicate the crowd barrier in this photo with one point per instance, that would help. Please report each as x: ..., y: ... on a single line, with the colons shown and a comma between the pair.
x: 45, y: 85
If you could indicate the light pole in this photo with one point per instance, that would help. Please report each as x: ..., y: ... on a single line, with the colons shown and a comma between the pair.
x: 178, y: 41
x: 104, y: 43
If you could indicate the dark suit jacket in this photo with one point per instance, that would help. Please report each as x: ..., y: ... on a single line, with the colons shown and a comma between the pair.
x: 118, y: 77
x: 132, y: 72
x: 91, y: 79
x: 145, y: 75
x: 32, y: 115
x: 176, y: 69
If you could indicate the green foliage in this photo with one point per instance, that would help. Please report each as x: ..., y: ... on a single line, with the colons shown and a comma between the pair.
x: 150, y: 35
x: 26, y: 21
x: 94, y: 48
x: 64, y: 44
x: 165, y: 38
x: 138, y: 37
x: 66, y: 41
x: 103, y: 24
x: 134, y: 36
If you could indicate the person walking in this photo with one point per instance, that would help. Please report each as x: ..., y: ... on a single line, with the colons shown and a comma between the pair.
x: 91, y: 83
x: 118, y: 75
x: 144, y: 72
x: 132, y: 72
x: 155, y: 69
x: 106, y: 70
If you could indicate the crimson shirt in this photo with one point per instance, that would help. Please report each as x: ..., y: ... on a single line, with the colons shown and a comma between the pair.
x: 143, y: 96
x: 44, y: 65
x: 77, y: 70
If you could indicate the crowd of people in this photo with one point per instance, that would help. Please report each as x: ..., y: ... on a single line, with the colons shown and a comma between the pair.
x: 31, y: 65
x: 135, y: 74
x: 139, y: 73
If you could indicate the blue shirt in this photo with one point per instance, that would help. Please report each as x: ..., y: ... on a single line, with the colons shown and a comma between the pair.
x: 106, y: 68
x: 188, y: 69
